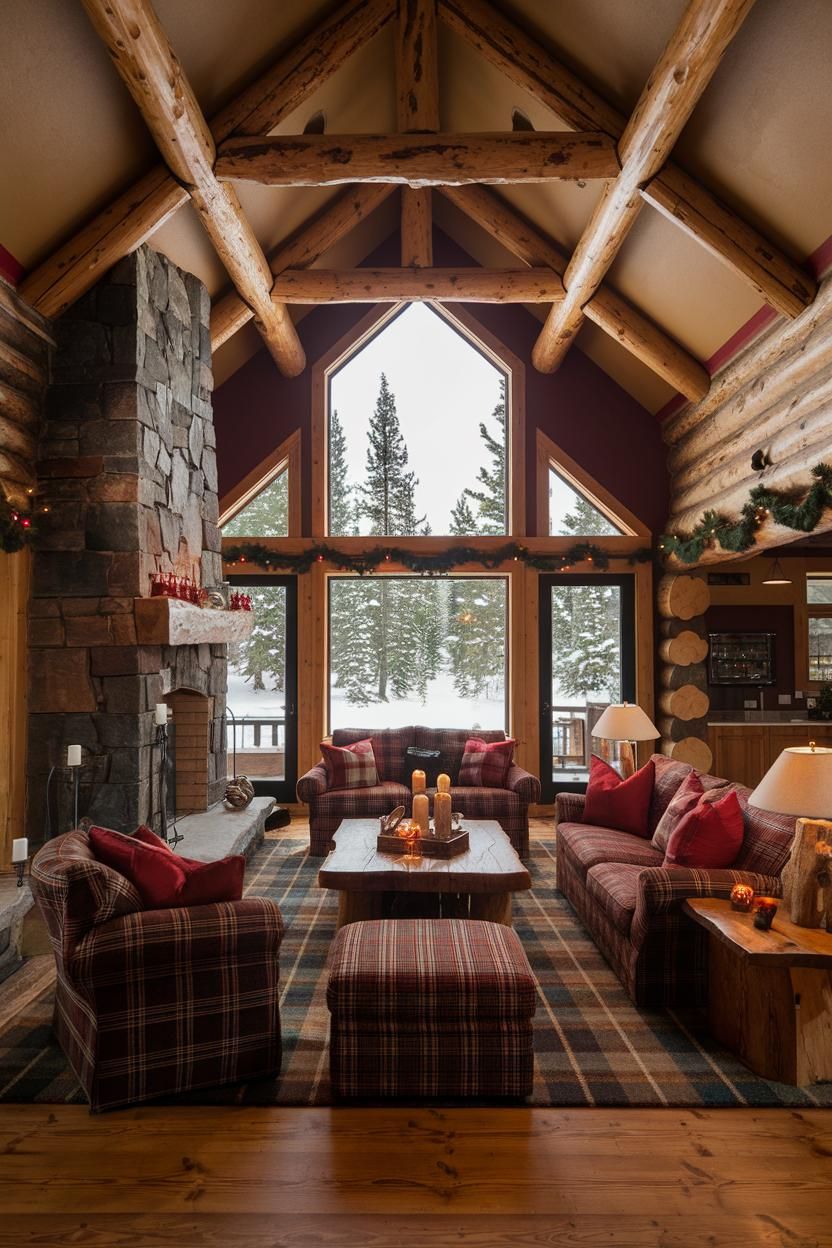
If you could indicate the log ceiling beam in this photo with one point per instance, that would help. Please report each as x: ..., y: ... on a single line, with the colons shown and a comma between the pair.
x: 607, y: 309
x: 780, y: 281
x: 474, y: 285
x: 127, y: 222
x: 682, y: 73
x: 417, y: 110
x: 149, y: 68
x: 417, y: 159
x: 230, y: 313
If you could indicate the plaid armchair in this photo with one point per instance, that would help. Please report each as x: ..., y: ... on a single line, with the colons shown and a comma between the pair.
x: 152, y: 1003
x: 632, y: 904
x: 328, y: 807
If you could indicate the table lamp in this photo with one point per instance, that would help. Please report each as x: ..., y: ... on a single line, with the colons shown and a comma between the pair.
x: 799, y: 782
x: 625, y: 723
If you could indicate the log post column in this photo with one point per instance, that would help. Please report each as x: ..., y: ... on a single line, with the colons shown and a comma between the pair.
x: 682, y: 674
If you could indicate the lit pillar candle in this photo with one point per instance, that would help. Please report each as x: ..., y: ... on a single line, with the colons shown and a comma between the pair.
x: 442, y: 815
x: 443, y: 783
x: 73, y: 756
x: 417, y: 782
x: 421, y: 812
x: 20, y: 849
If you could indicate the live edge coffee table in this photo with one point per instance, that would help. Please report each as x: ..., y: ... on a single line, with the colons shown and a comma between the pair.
x: 769, y: 993
x: 477, y: 884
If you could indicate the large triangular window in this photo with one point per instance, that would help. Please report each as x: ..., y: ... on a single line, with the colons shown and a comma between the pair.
x: 571, y: 503
x: 265, y: 515
x: 571, y: 514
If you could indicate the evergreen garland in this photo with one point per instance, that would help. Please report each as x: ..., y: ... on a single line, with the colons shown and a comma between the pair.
x: 17, y: 527
x: 784, y: 507
x: 428, y: 564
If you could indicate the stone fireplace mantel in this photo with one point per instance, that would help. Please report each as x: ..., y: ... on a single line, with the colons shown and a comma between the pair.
x: 170, y: 622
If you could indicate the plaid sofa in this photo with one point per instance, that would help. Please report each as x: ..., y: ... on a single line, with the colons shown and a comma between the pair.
x: 327, y: 807
x: 632, y: 905
x: 430, y: 1007
x: 152, y: 1003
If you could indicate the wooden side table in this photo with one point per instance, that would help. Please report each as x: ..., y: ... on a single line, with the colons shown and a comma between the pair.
x: 769, y: 993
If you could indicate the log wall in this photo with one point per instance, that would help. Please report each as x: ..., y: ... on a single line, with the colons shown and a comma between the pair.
x: 777, y: 396
x: 683, y: 701
x: 24, y: 367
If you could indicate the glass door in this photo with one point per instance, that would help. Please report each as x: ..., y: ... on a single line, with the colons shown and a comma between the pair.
x: 262, y: 689
x: 587, y: 661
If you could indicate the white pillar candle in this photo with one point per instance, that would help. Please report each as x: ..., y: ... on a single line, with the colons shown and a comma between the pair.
x: 161, y: 714
x: 417, y: 782
x: 443, y: 783
x: 20, y: 849
x: 73, y: 756
x: 421, y: 812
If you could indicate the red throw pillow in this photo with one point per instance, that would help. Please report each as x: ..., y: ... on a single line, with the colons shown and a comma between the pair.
x: 205, y: 882
x: 485, y: 764
x: 615, y: 803
x: 163, y: 879
x: 709, y: 836
x: 683, y: 800
x: 350, y: 766
x: 156, y: 873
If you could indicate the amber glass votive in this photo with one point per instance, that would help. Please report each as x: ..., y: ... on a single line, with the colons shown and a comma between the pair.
x: 742, y: 897
x: 765, y: 909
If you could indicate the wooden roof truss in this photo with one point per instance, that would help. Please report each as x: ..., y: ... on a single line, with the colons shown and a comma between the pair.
x: 632, y: 156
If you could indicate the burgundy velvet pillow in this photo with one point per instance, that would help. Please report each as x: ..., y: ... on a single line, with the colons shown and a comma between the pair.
x: 683, y: 800
x: 615, y: 803
x: 156, y: 873
x: 163, y: 879
x: 205, y: 882
x: 709, y: 836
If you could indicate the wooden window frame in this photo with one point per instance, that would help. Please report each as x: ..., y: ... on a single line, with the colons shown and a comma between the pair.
x: 552, y: 457
x: 285, y: 458
x: 483, y: 341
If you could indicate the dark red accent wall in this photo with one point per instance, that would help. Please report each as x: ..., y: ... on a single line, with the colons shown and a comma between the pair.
x: 582, y: 409
x: 755, y: 619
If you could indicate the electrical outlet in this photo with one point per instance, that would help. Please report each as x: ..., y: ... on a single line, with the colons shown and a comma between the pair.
x: 798, y: 693
x: 784, y: 699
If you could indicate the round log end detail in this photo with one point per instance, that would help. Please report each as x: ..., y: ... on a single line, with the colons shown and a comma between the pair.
x: 686, y: 702
x: 682, y: 596
x: 690, y: 750
x: 685, y: 648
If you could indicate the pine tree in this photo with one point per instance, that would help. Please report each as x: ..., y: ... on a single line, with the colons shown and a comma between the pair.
x: 342, y: 509
x: 586, y: 626
x: 387, y: 500
x: 463, y: 523
x: 261, y: 658
x: 267, y: 515
x: 491, y: 497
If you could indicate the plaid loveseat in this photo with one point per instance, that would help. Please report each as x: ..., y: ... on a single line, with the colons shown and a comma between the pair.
x: 151, y: 1003
x: 632, y: 905
x: 327, y: 807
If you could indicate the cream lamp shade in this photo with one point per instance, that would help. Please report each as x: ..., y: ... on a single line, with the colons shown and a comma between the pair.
x: 798, y: 783
x: 625, y: 722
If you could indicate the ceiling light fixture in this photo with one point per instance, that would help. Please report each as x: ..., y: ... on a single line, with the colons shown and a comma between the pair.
x: 776, y: 575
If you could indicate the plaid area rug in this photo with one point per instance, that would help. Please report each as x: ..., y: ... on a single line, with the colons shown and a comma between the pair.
x: 592, y: 1046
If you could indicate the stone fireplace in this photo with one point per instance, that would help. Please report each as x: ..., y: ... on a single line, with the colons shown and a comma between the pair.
x: 127, y: 467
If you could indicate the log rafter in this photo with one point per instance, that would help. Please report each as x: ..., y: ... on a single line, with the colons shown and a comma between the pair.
x: 127, y: 222
x: 681, y: 75
x: 151, y: 72
x: 607, y: 309
x: 384, y: 285
x: 417, y: 159
x: 781, y: 282
x: 417, y: 109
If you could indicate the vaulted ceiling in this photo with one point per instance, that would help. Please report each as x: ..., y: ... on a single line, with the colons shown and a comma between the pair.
x: 72, y: 139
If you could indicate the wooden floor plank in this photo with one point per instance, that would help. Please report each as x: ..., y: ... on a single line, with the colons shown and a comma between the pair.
x: 250, y: 1177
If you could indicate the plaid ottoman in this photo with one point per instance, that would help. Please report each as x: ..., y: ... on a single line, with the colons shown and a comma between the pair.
x: 430, y: 1007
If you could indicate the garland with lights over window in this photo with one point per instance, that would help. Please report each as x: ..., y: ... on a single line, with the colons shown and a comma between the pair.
x: 428, y: 564
x: 785, y: 507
